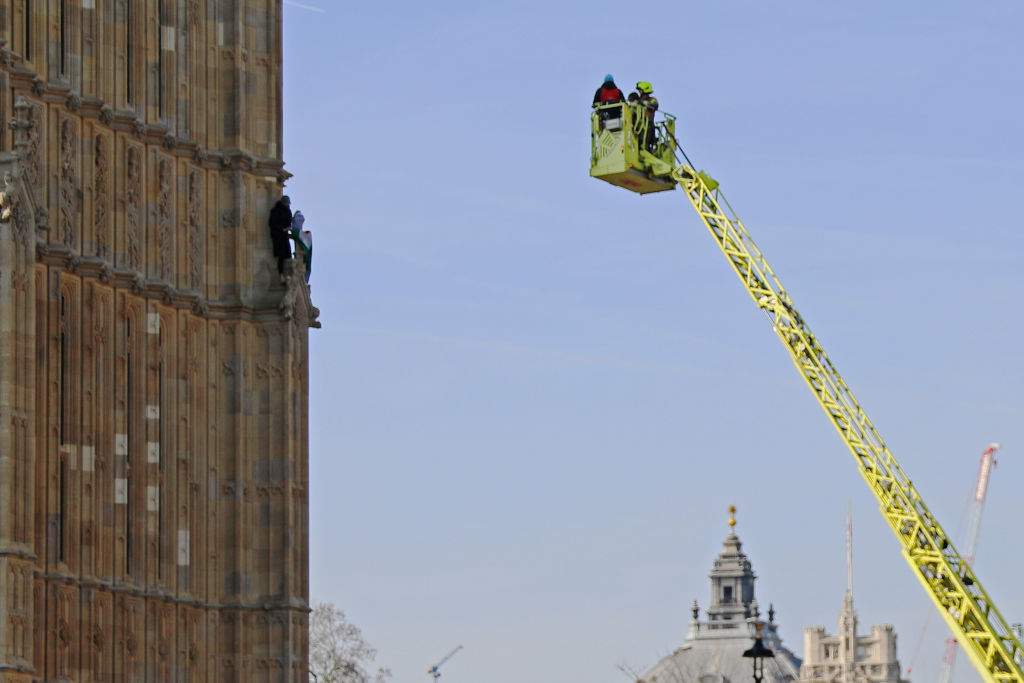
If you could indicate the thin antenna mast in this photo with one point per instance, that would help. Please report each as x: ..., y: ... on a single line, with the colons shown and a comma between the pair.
x: 849, y: 548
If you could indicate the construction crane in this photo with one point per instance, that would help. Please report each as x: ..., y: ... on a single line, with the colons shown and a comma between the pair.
x: 977, y: 505
x: 946, y: 576
x: 435, y: 670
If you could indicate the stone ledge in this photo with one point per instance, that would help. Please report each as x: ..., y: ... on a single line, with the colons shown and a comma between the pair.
x: 156, y: 593
x: 185, y: 299
x: 128, y: 121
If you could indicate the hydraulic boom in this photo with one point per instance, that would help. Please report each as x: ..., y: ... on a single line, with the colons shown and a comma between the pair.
x: 945, y: 575
x: 970, y: 545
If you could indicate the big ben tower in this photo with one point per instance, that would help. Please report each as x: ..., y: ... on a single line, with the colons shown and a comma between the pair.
x: 153, y: 367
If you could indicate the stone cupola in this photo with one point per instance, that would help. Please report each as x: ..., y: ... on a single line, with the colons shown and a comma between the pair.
x: 732, y: 581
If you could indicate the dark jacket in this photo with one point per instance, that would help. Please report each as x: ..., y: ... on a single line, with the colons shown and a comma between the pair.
x: 280, y: 225
x: 607, y: 94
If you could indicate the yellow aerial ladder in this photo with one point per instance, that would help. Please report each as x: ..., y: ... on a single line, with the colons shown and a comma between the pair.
x: 946, y: 576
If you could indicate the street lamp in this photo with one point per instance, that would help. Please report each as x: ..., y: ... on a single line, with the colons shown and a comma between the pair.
x: 758, y: 653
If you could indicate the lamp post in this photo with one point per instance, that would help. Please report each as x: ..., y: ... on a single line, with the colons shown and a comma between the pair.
x: 758, y: 653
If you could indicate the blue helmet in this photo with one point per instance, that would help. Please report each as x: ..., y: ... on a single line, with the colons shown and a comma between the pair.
x: 609, y: 79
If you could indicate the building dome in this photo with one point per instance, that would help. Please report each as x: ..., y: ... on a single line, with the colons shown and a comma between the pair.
x: 713, y: 649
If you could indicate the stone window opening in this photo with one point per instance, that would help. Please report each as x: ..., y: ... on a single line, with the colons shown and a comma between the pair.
x: 160, y: 47
x: 160, y: 518
x: 129, y: 421
x: 62, y: 504
x: 63, y: 426
x: 128, y: 45
x: 27, y: 48
x: 63, y: 20
x: 64, y: 371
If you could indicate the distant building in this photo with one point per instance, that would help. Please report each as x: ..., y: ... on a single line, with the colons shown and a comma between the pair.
x: 847, y: 657
x: 713, y: 649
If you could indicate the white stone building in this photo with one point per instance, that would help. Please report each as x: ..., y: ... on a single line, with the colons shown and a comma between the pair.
x: 847, y: 657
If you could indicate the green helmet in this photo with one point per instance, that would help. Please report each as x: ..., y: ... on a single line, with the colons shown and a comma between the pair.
x: 644, y: 87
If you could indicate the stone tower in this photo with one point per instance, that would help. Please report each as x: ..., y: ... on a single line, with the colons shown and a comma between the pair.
x: 153, y: 369
x: 847, y: 657
x: 850, y: 658
x: 732, y: 585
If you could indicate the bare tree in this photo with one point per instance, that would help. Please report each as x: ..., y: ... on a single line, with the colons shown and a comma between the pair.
x: 630, y: 672
x: 669, y: 670
x: 337, y: 651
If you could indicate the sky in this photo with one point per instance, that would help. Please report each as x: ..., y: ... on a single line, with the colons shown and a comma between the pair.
x: 535, y: 395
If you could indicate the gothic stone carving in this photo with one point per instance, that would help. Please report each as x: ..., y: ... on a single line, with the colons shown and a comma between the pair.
x: 68, y: 180
x: 195, y: 229
x: 133, y: 206
x: 33, y: 180
x: 165, y: 239
x: 100, y: 195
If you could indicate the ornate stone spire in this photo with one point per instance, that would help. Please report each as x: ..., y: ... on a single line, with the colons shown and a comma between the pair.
x: 732, y: 580
x: 848, y: 618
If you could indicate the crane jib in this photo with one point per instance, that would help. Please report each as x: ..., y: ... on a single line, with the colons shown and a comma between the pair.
x: 945, y: 575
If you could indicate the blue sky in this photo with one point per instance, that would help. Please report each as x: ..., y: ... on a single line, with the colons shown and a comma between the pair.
x: 535, y: 395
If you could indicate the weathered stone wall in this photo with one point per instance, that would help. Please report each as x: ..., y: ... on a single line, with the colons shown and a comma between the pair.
x: 153, y: 371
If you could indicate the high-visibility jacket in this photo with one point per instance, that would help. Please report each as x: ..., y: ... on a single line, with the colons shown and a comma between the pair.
x: 649, y: 104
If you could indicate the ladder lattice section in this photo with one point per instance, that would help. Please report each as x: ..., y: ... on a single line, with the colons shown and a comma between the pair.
x: 946, y: 577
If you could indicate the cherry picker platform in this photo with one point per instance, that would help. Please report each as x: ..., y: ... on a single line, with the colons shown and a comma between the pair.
x: 617, y: 155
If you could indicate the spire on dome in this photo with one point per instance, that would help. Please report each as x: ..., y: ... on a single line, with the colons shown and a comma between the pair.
x: 732, y: 581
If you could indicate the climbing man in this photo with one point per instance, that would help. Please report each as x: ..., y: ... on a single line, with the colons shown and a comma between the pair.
x: 647, y: 105
x: 608, y: 93
x: 280, y: 226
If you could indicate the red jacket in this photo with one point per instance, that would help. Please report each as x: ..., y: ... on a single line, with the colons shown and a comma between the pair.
x: 608, y: 93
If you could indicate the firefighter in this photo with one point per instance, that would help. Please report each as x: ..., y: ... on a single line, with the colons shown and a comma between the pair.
x: 647, y: 105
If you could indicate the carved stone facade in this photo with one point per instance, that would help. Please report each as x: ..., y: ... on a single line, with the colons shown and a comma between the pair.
x: 847, y: 657
x: 850, y: 658
x: 153, y: 370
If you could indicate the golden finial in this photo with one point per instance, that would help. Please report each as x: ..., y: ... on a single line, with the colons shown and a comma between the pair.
x: 732, y: 516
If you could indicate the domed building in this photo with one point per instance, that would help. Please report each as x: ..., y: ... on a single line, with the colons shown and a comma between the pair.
x: 713, y: 649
